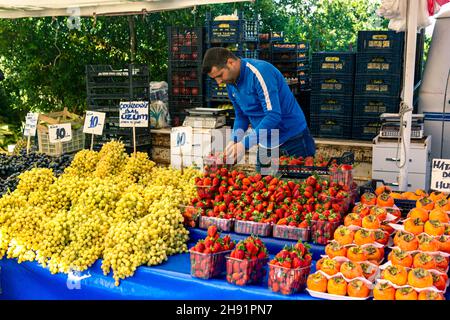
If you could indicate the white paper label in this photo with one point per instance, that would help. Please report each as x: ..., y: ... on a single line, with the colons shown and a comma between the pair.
x: 440, y: 175
x: 60, y: 132
x: 31, y: 124
x: 94, y: 122
x: 181, y: 140
x: 133, y: 114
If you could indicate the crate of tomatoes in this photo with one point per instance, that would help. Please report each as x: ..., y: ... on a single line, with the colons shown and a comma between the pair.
x: 208, y: 255
x: 290, y: 268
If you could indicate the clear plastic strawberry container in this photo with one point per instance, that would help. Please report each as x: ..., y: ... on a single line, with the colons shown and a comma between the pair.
x: 290, y: 232
x: 251, y: 227
x: 323, y: 231
x: 243, y: 272
x: 286, y: 280
x: 221, y: 224
x: 208, y: 265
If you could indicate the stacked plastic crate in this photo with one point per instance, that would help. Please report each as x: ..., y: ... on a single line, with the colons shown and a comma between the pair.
x: 378, y: 80
x: 265, y: 44
x: 106, y: 88
x: 241, y: 37
x: 332, y: 94
x: 185, y: 77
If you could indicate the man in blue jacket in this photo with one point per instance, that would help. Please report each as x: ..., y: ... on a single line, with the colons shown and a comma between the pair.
x: 262, y: 98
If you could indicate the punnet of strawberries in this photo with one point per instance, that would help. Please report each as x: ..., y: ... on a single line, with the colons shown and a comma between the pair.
x: 246, y: 263
x: 289, y: 270
x: 208, y: 255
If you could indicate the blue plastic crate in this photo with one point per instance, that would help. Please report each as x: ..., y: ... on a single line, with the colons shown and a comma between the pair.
x: 365, y: 128
x: 333, y: 62
x: 338, y: 105
x: 332, y: 84
x: 378, y: 85
x: 329, y: 126
x: 381, y: 41
x: 374, y: 106
x: 216, y: 92
x: 379, y: 63
x: 232, y: 31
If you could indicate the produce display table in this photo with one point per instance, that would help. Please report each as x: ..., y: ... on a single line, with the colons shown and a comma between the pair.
x: 170, y: 280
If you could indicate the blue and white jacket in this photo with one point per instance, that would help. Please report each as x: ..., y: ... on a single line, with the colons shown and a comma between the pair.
x: 262, y: 98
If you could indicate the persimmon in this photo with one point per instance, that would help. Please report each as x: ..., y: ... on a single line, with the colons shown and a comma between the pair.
x: 385, y: 200
x: 441, y: 263
x: 379, y: 212
x: 439, y: 214
x: 334, y: 249
x: 361, y: 209
x: 447, y: 229
x: 408, y: 242
x: 430, y: 295
x: 420, y: 278
x: 395, y: 274
x: 386, y: 227
x: 356, y: 254
x: 425, y: 203
x: 443, y: 204
x: 337, y: 285
x: 434, y: 228
x: 439, y: 281
x: 369, y: 198
x: 351, y: 270
x: 406, y: 293
x: 421, y: 193
x: 319, y: 263
x: 397, y: 237
x: 373, y: 253
x: 317, y: 282
x: 420, y: 213
x: 383, y: 291
x: 399, y: 257
x: 381, y: 189
x: 397, y: 195
x: 357, y: 288
x: 371, y: 222
x: 381, y: 236
x: 444, y: 244
x: 414, y: 226
x: 352, y: 219
x: 329, y: 266
x: 428, y: 243
x: 436, y: 196
x: 368, y: 269
x: 343, y: 235
x: 408, y: 195
x: 424, y: 261
x: 363, y: 236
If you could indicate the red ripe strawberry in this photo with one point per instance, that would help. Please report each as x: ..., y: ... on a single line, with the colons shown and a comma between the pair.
x: 239, y: 254
x: 207, y: 182
x: 301, y: 248
x: 212, y: 230
x: 286, y: 264
x: 200, y: 246
x: 217, y: 247
x: 296, y: 263
x: 251, y: 248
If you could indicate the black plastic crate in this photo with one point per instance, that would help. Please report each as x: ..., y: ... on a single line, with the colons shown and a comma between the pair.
x: 378, y: 85
x: 216, y: 92
x: 328, y: 126
x: 379, y: 63
x: 337, y: 105
x: 185, y: 45
x: 272, y: 36
x: 102, y: 76
x: 132, y: 93
x: 127, y: 139
x: 365, y: 128
x: 185, y: 82
x: 292, y: 66
x: 333, y: 62
x: 185, y: 101
x: 264, y: 54
x: 381, y: 41
x: 373, y: 106
x: 231, y: 31
x: 290, y: 56
x: 332, y: 84
x: 177, y: 118
x: 290, y: 46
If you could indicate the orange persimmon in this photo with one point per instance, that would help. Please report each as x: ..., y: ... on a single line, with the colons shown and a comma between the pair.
x: 352, y: 219
x: 382, y: 189
x: 385, y: 200
x: 337, y: 285
x: 381, y: 236
x: 343, y: 235
x: 420, y: 213
x: 400, y: 258
x: 436, y: 196
x: 379, y: 212
x: 397, y: 237
x: 373, y: 253
x: 317, y: 282
x: 428, y: 243
x: 424, y: 260
x: 425, y: 203
x: 351, y: 270
x: 430, y: 295
x: 395, y: 274
x: 369, y: 198
x: 421, y: 193
x: 406, y: 293
x: 357, y: 288
x: 439, y: 281
x: 408, y: 195
x: 329, y: 266
x: 334, y: 249
x: 371, y: 222
x: 397, y: 195
x: 414, y: 226
x: 386, y: 227
x: 434, y: 228
x: 363, y: 236
x: 383, y: 291
x: 441, y: 263
x: 443, y: 204
x: 444, y: 244
x: 368, y: 269
x: 420, y: 278
x: 439, y: 214
x: 361, y: 209
x: 356, y: 254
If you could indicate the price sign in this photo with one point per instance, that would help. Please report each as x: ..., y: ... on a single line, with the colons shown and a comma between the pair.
x: 60, y: 132
x: 30, y: 124
x: 181, y: 140
x: 440, y: 175
x: 94, y: 122
x: 133, y: 114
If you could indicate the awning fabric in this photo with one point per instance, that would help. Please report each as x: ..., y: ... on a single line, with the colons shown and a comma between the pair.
x: 45, y: 8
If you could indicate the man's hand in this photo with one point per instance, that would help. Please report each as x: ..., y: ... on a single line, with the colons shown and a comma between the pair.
x: 234, y: 151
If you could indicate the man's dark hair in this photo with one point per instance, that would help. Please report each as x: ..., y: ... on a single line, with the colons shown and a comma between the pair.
x: 216, y: 57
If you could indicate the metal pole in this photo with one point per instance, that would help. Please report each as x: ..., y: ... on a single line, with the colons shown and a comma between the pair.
x: 408, y: 91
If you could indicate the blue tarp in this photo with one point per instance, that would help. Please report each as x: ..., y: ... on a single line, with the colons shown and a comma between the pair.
x: 170, y: 280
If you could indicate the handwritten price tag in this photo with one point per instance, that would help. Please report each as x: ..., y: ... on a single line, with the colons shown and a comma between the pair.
x: 31, y: 124
x: 94, y: 122
x: 60, y: 132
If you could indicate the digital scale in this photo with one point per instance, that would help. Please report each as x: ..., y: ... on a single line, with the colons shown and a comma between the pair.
x: 206, y: 118
x: 390, y: 126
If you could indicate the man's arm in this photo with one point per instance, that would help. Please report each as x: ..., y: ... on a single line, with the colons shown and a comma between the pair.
x: 267, y: 90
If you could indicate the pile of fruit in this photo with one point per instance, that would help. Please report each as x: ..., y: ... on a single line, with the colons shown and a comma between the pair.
x: 208, y: 255
x: 106, y: 205
x: 13, y: 165
x: 290, y: 269
x: 246, y: 263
